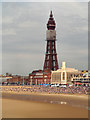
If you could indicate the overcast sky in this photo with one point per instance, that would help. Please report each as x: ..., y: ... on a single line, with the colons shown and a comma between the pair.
x: 24, y: 34
x: 44, y: 0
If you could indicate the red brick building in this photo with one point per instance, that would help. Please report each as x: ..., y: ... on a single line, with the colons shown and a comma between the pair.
x: 40, y: 77
x: 19, y: 80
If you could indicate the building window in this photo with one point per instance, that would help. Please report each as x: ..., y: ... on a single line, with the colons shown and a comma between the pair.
x: 63, y: 75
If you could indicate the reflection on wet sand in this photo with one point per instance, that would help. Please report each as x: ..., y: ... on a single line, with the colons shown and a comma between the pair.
x: 24, y: 105
x: 30, y: 109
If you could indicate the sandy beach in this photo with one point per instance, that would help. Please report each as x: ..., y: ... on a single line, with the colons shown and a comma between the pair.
x: 30, y: 109
x: 42, y: 105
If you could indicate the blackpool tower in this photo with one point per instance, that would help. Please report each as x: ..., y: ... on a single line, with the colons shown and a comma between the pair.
x: 51, y: 55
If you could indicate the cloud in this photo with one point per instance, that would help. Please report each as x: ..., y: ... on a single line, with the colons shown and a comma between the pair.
x: 7, y: 20
x: 24, y: 34
x: 45, y: 0
x: 9, y: 31
x: 30, y: 24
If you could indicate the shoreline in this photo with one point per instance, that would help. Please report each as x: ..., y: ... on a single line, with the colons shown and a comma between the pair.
x: 73, y: 100
x: 82, y: 96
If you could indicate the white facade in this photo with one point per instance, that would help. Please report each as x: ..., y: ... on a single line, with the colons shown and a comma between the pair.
x: 63, y: 75
x: 82, y: 80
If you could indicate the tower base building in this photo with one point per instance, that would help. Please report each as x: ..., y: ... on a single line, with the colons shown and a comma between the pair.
x: 40, y: 77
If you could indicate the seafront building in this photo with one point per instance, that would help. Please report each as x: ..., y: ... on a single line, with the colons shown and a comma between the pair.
x: 18, y: 80
x: 4, y: 79
x: 40, y: 77
x: 83, y: 80
x: 64, y: 75
x: 10, y: 79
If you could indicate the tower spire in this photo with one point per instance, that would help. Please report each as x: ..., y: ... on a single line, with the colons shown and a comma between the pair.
x: 51, y: 22
x: 51, y: 15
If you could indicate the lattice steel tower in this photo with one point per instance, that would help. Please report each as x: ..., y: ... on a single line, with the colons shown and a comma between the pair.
x: 51, y: 55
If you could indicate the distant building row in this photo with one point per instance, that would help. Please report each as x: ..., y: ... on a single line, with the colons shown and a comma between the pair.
x: 63, y: 76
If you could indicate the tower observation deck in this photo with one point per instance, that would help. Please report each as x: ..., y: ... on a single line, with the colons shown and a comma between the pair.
x: 51, y: 55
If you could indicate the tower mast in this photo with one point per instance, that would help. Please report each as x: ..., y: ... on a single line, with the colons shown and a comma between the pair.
x: 51, y: 55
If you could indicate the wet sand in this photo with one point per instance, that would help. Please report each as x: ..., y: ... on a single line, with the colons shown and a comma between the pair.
x: 34, y: 105
x: 29, y: 109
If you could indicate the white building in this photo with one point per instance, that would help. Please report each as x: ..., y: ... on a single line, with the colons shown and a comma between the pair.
x: 82, y: 80
x: 3, y: 79
x: 63, y: 75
